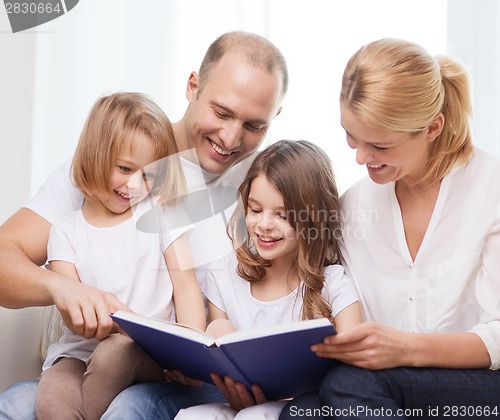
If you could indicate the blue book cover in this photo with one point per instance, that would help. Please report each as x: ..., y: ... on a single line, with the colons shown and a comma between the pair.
x: 277, y: 358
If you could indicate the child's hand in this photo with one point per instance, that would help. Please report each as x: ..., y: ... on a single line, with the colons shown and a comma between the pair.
x: 237, y: 394
x: 176, y: 376
x: 219, y: 327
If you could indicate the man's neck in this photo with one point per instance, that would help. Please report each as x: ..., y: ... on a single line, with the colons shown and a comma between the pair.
x: 180, y: 135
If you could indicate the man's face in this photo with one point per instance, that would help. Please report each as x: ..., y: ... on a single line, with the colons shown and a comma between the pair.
x: 227, y: 120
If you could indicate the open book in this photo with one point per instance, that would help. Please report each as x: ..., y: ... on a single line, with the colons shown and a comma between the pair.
x: 277, y: 358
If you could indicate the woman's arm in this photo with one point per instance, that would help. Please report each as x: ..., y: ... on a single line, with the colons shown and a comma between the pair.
x: 188, y: 300
x: 375, y: 346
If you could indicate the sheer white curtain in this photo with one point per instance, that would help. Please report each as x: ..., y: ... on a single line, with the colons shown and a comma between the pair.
x: 108, y: 45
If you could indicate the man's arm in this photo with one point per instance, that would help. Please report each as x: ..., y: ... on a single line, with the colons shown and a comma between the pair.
x: 23, y: 249
x: 23, y: 245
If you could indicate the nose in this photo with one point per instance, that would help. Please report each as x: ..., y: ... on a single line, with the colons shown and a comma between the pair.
x: 363, y: 155
x: 265, y: 222
x: 231, y: 134
x: 135, y: 181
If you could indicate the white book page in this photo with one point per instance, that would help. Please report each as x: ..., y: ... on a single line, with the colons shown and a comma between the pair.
x: 179, y: 330
x: 241, y: 335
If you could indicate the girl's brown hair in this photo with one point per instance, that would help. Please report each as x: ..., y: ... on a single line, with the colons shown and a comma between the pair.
x: 110, y: 129
x: 303, y: 174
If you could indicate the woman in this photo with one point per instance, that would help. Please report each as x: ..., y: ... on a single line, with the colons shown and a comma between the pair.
x: 421, y: 242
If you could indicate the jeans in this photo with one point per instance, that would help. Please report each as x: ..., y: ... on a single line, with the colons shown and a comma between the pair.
x: 402, y: 393
x: 18, y: 401
x: 140, y: 401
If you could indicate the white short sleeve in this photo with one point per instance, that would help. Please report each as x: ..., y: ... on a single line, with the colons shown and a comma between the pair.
x: 57, y: 197
x: 60, y: 246
x: 339, y: 288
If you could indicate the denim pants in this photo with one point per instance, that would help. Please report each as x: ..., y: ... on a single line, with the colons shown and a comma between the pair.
x: 406, y: 393
x: 151, y: 401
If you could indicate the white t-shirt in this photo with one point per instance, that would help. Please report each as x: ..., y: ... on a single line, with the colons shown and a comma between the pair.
x: 232, y: 295
x: 453, y: 285
x: 119, y: 259
x: 57, y: 197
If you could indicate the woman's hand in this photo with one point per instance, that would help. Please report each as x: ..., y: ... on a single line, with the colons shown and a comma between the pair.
x: 369, y: 345
x: 237, y: 394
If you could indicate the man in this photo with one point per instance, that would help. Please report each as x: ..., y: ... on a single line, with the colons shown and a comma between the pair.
x: 232, y: 101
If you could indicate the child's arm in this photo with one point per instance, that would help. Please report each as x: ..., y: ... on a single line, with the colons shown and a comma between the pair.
x: 219, y: 324
x: 64, y: 267
x: 187, y: 296
x: 348, y: 317
x: 236, y: 394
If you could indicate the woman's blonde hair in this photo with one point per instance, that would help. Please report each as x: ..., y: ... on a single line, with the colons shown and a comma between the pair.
x: 110, y: 129
x: 396, y: 85
x: 303, y: 174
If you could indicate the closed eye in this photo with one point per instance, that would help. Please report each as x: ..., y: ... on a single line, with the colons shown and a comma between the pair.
x: 221, y: 115
x: 254, y: 210
x: 255, y: 127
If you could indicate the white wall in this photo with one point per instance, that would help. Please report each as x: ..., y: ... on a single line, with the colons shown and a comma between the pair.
x: 17, y: 63
x: 474, y: 37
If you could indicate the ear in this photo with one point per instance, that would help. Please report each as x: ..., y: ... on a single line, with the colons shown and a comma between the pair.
x: 435, y: 127
x: 278, y: 112
x: 192, y: 86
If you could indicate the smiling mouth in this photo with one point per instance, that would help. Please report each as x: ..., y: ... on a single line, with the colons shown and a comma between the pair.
x: 125, y: 196
x: 220, y: 150
x: 376, y: 166
x: 268, y: 240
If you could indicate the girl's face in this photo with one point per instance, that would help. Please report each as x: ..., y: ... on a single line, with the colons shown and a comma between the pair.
x: 388, y: 155
x: 267, y: 224
x: 132, y: 175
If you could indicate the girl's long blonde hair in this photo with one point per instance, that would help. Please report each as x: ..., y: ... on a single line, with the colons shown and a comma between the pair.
x: 396, y: 85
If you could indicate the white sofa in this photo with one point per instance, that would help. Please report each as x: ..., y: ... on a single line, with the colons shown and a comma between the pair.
x: 25, y: 335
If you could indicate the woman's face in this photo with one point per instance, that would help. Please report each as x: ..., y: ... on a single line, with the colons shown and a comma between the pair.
x: 389, y: 156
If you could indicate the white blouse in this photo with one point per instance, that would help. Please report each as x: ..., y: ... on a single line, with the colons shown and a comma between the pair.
x: 453, y: 284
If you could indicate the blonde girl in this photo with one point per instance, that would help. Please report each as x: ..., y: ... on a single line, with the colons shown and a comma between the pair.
x: 126, y: 151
